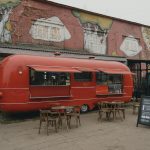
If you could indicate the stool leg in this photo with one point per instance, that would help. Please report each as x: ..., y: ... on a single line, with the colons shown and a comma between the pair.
x: 47, y: 127
x: 124, y: 114
x: 55, y: 123
x: 76, y: 120
x: 134, y: 109
x: 40, y: 126
x: 79, y: 120
x: 69, y: 121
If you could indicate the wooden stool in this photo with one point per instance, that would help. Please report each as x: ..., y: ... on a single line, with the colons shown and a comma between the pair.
x: 136, y: 105
x: 50, y: 119
x: 76, y: 114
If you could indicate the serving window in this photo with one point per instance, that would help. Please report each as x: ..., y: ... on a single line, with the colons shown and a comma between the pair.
x: 114, y: 82
x: 49, y: 78
x: 101, y: 78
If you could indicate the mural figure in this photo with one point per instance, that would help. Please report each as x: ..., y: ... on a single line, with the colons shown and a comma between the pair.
x: 6, y: 7
x: 130, y: 46
x: 94, y: 39
x: 95, y: 31
x: 5, y: 27
x: 51, y: 29
x: 146, y: 36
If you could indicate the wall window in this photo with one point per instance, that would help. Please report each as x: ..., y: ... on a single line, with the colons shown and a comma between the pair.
x: 84, y: 76
x: 95, y: 38
x: 49, y: 78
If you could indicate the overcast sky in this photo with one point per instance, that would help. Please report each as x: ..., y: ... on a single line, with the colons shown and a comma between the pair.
x: 131, y: 10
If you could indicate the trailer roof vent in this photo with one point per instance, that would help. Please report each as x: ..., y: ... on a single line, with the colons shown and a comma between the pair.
x: 91, y: 57
x: 57, y: 53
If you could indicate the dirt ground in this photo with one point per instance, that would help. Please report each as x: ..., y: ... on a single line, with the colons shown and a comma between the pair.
x: 91, y: 135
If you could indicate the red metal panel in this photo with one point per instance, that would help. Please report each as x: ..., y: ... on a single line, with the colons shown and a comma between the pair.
x: 49, y: 91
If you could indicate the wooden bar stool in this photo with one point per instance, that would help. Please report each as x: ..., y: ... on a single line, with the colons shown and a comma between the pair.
x: 136, y: 106
x: 75, y: 113
x: 103, y: 109
x: 49, y: 118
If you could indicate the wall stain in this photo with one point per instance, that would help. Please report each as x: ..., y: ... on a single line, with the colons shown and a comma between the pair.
x: 103, y: 22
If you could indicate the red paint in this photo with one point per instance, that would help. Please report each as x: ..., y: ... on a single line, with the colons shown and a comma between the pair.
x: 18, y: 95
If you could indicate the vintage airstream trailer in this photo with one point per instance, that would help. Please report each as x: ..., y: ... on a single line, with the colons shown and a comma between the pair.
x: 30, y: 83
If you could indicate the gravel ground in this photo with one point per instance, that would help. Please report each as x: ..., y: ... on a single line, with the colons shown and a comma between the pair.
x: 91, y: 135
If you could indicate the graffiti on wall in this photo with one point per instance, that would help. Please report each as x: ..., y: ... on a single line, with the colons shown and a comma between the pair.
x: 130, y: 46
x: 95, y: 31
x: 51, y: 29
x: 146, y: 36
x: 5, y: 25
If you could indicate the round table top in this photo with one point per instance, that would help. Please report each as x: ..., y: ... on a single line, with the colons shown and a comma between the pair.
x: 61, y: 107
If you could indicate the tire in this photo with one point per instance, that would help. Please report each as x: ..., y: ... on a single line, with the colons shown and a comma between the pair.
x: 84, y: 108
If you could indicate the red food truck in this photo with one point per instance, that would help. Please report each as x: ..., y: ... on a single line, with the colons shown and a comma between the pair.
x: 30, y: 83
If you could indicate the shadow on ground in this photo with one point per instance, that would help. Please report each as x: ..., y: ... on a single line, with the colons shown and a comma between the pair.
x: 6, y: 118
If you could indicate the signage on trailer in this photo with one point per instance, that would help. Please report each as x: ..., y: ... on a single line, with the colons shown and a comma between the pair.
x: 144, y: 111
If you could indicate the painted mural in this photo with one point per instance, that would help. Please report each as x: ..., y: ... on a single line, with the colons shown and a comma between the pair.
x: 146, y: 36
x: 51, y: 29
x: 5, y: 25
x: 95, y: 31
x: 33, y: 22
x: 130, y: 46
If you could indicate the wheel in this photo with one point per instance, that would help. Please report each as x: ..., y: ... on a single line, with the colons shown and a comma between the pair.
x: 84, y: 108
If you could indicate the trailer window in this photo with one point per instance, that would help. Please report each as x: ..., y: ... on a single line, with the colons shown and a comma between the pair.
x: 83, y: 76
x: 113, y: 81
x: 49, y: 78
x: 101, y: 78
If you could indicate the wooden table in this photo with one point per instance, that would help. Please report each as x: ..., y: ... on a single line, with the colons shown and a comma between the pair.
x: 113, y: 107
x: 63, y: 110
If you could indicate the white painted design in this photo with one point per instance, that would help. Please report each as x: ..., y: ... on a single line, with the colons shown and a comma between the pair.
x: 94, y: 39
x: 5, y: 35
x: 51, y: 29
x: 130, y: 46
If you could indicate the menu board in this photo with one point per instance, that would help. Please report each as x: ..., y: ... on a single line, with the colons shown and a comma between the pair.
x: 144, y: 111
